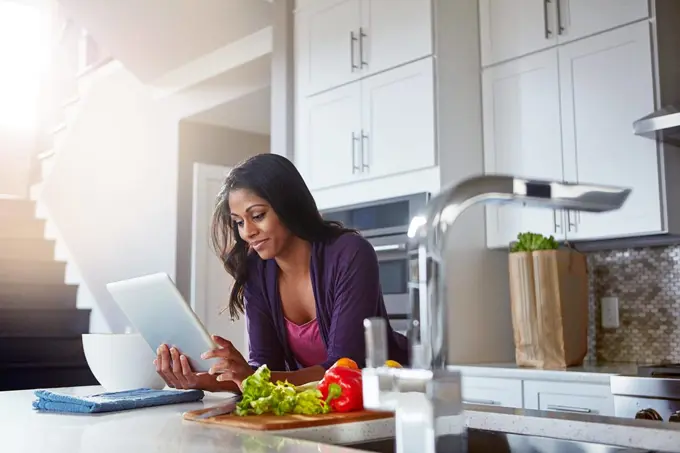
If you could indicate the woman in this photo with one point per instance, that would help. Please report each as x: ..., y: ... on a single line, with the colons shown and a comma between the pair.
x: 306, y: 284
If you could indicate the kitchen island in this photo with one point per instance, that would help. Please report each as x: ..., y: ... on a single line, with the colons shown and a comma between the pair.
x: 24, y: 430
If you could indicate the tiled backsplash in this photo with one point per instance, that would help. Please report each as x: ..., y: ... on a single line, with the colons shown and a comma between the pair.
x: 647, y: 283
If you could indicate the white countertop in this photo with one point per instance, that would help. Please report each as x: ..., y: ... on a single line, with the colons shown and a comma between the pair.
x: 589, y: 372
x: 24, y: 430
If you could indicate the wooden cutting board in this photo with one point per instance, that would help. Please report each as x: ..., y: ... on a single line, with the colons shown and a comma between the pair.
x: 291, y: 421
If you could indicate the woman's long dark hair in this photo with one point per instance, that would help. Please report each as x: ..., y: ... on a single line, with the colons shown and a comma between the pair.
x: 275, y: 179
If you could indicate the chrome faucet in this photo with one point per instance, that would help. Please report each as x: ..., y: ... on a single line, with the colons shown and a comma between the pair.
x: 426, y: 397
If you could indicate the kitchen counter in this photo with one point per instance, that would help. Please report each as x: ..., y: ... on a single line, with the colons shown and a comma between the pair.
x: 162, y: 428
x: 597, y: 373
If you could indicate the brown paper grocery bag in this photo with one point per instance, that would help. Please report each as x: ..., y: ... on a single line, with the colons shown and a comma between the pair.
x: 549, y: 298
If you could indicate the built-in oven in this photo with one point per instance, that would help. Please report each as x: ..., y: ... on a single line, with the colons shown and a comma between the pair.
x: 385, y: 224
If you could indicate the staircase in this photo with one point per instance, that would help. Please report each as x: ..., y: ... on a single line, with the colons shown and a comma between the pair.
x: 40, y: 326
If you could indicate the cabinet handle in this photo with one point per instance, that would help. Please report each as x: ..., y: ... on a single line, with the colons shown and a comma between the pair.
x: 485, y: 402
x: 572, y: 224
x: 557, y: 221
x: 362, y: 35
x: 352, y: 40
x: 364, y: 154
x: 355, y: 167
x: 548, y: 33
x: 560, y: 27
x: 580, y: 410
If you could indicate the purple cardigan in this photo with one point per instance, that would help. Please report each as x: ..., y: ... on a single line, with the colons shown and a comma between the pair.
x: 346, y: 285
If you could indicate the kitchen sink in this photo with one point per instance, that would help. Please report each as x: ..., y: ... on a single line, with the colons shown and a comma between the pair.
x: 481, y: 441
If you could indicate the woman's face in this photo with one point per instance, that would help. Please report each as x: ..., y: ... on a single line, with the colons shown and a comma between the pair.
x: 257, y: 223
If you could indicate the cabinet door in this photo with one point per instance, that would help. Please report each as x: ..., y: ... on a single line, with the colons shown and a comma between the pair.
x: 398, y: 117
x: 580, y: 18
x: 593, y: 399
x: 522, y: 138
x: 329, y: 136
x: 327, y: 44
x: 512, y: 28
x: 394, y: 32
x: 492, y: 391
x: 606, y: 84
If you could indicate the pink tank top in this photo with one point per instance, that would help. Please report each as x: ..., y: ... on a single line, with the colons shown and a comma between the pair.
x: 306, y: 343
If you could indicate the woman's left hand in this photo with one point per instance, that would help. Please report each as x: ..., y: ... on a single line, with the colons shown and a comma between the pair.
x: 232, y: 366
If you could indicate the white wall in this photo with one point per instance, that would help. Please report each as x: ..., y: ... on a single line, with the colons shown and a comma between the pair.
x: 113, y: 191
x: 206, y: 144
x: 16, y: 147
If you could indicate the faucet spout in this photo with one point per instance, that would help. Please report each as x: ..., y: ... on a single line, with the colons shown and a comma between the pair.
x: 426, y: 393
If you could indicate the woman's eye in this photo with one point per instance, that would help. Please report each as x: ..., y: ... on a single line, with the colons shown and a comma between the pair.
x: 238, y: 223
x: 258, y: 217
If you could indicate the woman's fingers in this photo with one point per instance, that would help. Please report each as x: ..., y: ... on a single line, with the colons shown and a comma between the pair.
x: 177, y: 369
x: 189, y: 375
x: 222, y: 366
x: 166, y: 368
x: 226, y: 349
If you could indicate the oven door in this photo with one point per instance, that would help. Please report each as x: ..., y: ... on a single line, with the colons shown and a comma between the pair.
x: 392, y: 252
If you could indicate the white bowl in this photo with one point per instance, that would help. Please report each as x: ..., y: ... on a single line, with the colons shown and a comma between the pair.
x: 121, y: 361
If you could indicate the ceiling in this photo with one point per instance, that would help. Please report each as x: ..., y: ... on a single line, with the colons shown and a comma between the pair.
x: 152, y: 37
x: 250, y: 113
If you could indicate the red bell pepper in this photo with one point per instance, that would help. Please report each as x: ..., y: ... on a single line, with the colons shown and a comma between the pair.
x: 341, y: 388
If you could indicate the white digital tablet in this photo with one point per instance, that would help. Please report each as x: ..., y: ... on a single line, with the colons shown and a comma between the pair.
x: 160, y: 314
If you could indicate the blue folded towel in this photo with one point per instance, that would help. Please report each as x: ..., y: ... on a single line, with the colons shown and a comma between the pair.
x: 112, y: 401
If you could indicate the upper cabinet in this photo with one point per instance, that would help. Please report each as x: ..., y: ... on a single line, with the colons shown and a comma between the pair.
x: 514, y: 28
x: 580, y: 18
x: 607, y: 83
x: 327, y: 43
x: 566, y: 113
x: 521, y: 105
x: 510, y: 28
x: 378, y: 126
x: 339, y: 41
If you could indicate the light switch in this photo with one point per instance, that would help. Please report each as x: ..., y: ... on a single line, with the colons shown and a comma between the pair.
x: 610, y: 312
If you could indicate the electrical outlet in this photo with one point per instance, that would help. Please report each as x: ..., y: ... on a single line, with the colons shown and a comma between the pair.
x: 610, y: 312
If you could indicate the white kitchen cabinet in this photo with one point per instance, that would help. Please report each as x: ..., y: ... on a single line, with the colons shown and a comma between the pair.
x: 327, y: 44
x: 511, y: 28
x: 378, y: 126
x: 492, y: 391
x: 580, y: 18
x: 606, y: 84
x: 398, y: 117
x: 514, y: 28
x: 574, y: 124
x: 329, y: 137
x: 394, y: 32
x: 522, y: 137
x: 340, y: 41
x: 581, y: 398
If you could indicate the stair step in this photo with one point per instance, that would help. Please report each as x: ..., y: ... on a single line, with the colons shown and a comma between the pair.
x: 27, y: 249
x: 46, y: 376
x: 43, y: 323
x: 20, y: 228
x: 37, y: 272
x: 35, y: 297
x: 41, y: 350
x: 16, y: 208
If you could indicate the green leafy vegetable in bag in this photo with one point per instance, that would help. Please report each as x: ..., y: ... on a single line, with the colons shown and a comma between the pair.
x: 530, y: 242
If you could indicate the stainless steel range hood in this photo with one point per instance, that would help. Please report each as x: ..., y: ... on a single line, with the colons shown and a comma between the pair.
x: 663, y: 124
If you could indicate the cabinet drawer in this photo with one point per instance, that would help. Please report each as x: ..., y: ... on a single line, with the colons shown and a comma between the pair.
x: 594, y: 399
x: 492, y: 391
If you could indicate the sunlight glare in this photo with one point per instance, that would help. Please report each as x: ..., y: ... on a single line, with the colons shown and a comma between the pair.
x: 23, y: 55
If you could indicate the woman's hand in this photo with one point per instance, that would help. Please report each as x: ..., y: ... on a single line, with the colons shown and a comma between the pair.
x: 175, y: 370
x: 232, y: 366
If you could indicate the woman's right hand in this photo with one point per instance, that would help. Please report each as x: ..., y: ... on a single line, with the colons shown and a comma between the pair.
x: 175, y: 370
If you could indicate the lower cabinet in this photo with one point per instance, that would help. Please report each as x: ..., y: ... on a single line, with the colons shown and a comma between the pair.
x: 492, y: 391
x: 571, y: 397
x: 578, y: 398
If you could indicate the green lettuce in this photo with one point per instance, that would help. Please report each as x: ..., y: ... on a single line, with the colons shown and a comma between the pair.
x: 261, y: 396
x: 530, y: 242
